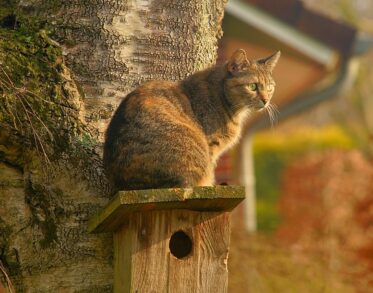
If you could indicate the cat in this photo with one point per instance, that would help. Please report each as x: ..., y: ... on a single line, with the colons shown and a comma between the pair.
x: 170, y: 134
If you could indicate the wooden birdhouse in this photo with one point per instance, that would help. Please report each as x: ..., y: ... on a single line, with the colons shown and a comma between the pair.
x: 170, y: 240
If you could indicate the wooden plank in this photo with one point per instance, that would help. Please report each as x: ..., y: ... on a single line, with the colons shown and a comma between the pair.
x: 214, y: 236
x: 123, y: 259
x: 205, y: 269
x: 216, y: 198
x: 150, y: 254
x: 141, y: 253
x: 183, y: 272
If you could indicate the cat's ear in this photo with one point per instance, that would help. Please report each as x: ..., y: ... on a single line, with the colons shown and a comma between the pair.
x: 238, y: 62
x: 271, y: 61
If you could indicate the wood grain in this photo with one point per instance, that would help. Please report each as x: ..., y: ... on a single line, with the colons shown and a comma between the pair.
x: 183, y: 273
x: 214, y: 233
x: 140, y: 253
x: 144, y: 263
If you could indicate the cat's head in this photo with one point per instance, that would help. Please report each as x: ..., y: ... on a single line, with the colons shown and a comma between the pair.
x: 249, y: 83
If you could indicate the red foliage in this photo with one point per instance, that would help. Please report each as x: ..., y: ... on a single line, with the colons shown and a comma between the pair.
x: 327, y: 207
x: 2, y: 289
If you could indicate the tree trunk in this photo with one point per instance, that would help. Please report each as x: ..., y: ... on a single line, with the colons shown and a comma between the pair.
x: 51, y: 177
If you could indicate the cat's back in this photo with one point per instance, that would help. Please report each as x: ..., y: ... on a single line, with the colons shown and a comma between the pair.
x: 152, y: 105
x: 148, y: 134
x: 155, y: 96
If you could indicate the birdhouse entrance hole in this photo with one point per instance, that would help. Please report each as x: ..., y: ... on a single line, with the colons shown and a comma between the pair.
x: 180, y: 244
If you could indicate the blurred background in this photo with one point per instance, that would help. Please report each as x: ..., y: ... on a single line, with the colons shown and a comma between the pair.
x: 306, y: 225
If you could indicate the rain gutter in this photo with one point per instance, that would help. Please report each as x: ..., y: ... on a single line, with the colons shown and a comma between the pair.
x: 283, y: 32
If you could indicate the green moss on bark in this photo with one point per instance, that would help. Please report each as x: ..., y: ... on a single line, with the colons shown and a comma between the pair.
x: 40, y: 105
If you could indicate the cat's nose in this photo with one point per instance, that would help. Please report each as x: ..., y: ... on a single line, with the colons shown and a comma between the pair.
x: 263, y: 101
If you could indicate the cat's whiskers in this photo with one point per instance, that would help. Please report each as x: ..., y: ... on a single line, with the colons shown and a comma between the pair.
x: 276, y: 111
x: 272, y: 113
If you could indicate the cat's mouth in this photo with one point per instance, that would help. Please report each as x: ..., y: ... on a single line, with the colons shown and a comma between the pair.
x: 261, y: 105
x: 270, y: 108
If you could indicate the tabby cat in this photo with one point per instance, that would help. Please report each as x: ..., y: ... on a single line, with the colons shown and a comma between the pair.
x: 171, y: 134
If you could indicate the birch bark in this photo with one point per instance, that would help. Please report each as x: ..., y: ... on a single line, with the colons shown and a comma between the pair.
x: 50, y: 187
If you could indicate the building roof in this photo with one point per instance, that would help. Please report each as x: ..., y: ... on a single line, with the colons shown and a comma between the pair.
x: 331, y: 32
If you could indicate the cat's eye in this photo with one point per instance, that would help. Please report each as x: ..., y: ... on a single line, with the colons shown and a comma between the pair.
x: 253, y: 86
x: 270, y: 87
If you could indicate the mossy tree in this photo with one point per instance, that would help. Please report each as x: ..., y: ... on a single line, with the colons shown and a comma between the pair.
x: 64, y: 66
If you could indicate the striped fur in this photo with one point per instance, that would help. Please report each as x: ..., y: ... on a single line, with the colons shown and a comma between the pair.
x: 170, y: 134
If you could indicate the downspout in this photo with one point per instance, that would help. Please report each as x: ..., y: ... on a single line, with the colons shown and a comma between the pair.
x: 248, y: 181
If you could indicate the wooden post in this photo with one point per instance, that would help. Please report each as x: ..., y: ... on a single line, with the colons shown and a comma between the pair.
x: 170, y: 240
